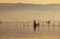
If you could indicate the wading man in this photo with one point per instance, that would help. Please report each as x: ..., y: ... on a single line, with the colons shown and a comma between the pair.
x: 35, y: 25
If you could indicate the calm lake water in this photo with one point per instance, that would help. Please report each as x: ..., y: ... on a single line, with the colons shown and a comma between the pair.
x: 24, y: 30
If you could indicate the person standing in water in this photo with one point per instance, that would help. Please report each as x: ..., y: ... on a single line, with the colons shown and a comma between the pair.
x: 0, y: 22
x: 35, y: 25
x: 48, y: 22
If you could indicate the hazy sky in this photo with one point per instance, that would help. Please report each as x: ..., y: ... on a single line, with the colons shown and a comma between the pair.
x: 19, y: 15
x: 30, y: 1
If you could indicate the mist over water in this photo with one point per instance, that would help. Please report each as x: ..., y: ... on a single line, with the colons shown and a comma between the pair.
x: 17, y: 21
x: 26, y: 27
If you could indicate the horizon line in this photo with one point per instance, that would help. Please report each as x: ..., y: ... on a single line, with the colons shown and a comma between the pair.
x: 28, y: 3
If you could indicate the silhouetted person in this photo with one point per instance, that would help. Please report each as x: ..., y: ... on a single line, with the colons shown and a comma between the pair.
x: 0, y: 22
x: 53, y: 25
x: 59, y: 23
x: 48, y: 22
x: 24, y: 25
x: 35, y: 25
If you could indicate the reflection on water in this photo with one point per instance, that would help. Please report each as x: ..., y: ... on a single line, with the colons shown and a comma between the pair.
x: 18, y: 30
x: 27, y: 27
